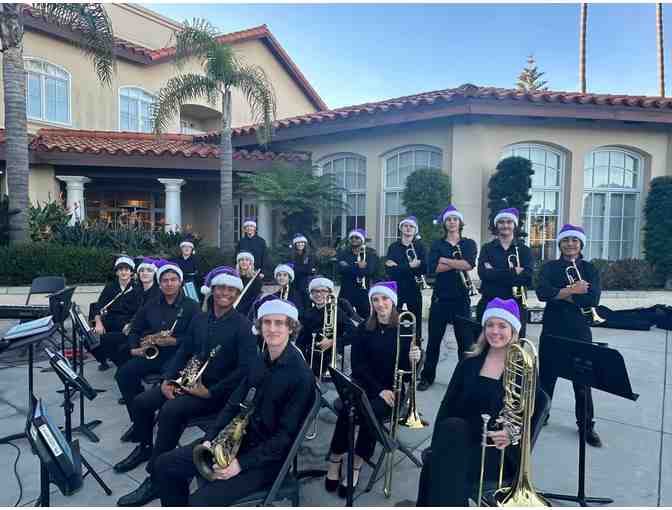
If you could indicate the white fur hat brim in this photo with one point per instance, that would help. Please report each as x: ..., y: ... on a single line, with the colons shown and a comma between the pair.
x: 408, y: 222
x: 227, y: 279
x: 187, y: 243
x: 357, y: 234
x: 454, y: 214
x: 250, y: 223
x: 500, y: 313
x: 169, y: 267
x: 278, y: 307
x: 386, y: 291
x: 572, y: 233
x: 300, y: 239
x: 284, y: 268
x: 245, y: 255
x: 147, y: 265
x: 320, y: 283
x: 505, y: 216
x: 124, y: 260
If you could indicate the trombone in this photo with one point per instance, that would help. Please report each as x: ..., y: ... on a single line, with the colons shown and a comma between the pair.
x: 361, y: 257
x: 518, y: 292
x: 574, y: 276
x: 412, y: 255
x: 465, y: 278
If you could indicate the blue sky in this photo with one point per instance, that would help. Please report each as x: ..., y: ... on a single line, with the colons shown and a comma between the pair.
x: 354, y: 53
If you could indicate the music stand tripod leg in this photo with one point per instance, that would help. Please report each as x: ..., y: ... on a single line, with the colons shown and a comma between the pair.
x: 84, y: 427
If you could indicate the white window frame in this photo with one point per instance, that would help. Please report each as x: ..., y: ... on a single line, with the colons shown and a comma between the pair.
x: 384, y: 189
x: 43, y: 97
x: 609, y: 191
x: 131, y: 87
x: 330, y: 159
x: 508, y: 150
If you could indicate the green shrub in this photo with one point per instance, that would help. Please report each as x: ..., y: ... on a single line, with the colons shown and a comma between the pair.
x: 44, y: 219
x: 658, y: 227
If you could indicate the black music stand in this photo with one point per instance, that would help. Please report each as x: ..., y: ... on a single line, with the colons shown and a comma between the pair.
x: 22, y: 343
x: 59, y: 308
x: 592, y: 366
x: 70, y: 380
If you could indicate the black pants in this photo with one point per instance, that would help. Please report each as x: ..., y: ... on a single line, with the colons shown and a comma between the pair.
x: 548, y: 379
x: 441, y: 314
x: 112, y: 338
x: 413, y: 300
x: 129, y: 375
x: 480, y: 308
x: 365, y: 443
x: 175, y: 469
x: 173, y: 418
x: 359, y: 299
x: 451, y: 472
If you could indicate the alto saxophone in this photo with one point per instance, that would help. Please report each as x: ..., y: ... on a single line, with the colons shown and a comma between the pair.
x: 149, y: 342
x: 224, y: 448
x: 191, y: 374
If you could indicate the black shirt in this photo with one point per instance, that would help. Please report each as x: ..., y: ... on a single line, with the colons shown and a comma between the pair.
x: 373, y: 357
x: 285, y: 393
x: 349, y: 271
x: 500, y: 280
x: 312, y: 322
x: 145, y: 296
x: 561, y: 317
x: 304, y: 268
x: 251, y: 295
x: 403, y: 273
x: 189, y: 267
x: 448, y: 284
x: 123, y: 307
x: 256, y: 246
x: 158, y: 315
x: 237, y: 349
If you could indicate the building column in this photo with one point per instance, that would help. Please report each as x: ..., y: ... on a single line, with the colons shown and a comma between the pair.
x: 173, y: 203
x: 265, y: 222
x: 75, y: 192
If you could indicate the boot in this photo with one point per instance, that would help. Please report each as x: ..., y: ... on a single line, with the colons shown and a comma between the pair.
x: 140, y: 454
x: 144, y: 494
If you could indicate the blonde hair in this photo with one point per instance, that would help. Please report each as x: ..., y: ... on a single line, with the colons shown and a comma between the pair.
x: 249, y: 272
x: 482, y: 343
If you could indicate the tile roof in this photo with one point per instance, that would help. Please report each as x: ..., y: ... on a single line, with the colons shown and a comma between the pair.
x: 144, y: 144
x: 467, y: 93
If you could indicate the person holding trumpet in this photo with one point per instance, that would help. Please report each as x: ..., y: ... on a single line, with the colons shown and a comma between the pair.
x: 356, y: 266
x: 222, y: 338
x: 284, y: 393
x: 451, y: 471
x: 570, y: 286
x: 373, y: 367
x: 159, y: 326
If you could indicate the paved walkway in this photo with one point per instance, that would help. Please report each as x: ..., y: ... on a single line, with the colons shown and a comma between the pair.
x: 634, y: 467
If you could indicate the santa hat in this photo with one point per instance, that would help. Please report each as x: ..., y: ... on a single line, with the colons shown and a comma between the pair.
x: 124, y: 259
x: 244, y: 255
x: 147, y: 263
x: 505, y: 309
x: 222, y: 275
x: 284, y: 268
x: 358, y: 232
x: 320, y: 282
x: 164, y: 265
x: 250, y: 222
x: 276, y: 307
x: 388, y: 289
x: 187, y: 241
x: 568, y: 230
x: 411, y: 220
x: 449, y: 211
x: 510, y: 213
x: 299, y: 238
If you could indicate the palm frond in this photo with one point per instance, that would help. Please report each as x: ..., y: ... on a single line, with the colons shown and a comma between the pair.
x: 197, y: 38
x: 221, y: 63
x: 94, y: 27
x: 260, y: 96
x: 177, y: 91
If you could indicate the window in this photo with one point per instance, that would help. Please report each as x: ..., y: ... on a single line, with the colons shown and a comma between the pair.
x: 398, y: 165
x: 47, y: 92
x: 249, y: 211
x: 611, y: 184
x: 349, y: 171
x: 135, y: 110
x: 545, y: 210
x: 144, y: 210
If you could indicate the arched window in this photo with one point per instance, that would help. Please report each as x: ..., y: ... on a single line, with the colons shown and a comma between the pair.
x: 611, y: 203
x: 135, y: 110
x: 398, y: 165
x: 545, y: 211
x: 47, y: 92
x: 349, y: 171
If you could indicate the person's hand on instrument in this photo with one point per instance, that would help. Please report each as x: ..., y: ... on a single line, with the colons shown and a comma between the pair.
x: 500, y: 438
x: 388, y: 397
x: 230, y: 471
x: 414, y: 354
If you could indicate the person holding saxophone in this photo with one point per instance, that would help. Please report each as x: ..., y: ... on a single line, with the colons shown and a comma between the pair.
x: 284, y: 390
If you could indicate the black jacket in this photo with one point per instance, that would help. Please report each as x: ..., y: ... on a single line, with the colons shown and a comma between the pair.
x: 304, y: 268
x: 402, y: 273
x: 349, y: 272
x: 158, y: 316
x: 499, y: 281
x: 312, y: 322
x: 256, y: 246
x: 285, y: 393
x: 189, y: 267
x: 123, y: 308
x: 561, y: 317
x: 237, y: 349
x: 448, y: 284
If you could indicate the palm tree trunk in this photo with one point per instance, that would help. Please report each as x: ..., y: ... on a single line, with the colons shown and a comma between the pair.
x: 582, y: 48
x: 16, y: 130
x: 661, y: 49
x: 226, y: 178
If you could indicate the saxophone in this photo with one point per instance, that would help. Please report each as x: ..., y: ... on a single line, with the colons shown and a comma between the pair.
x: 191, y: 374
x: 224, y: 448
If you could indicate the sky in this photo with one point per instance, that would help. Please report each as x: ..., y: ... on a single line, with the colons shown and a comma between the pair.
x: 356, y: 53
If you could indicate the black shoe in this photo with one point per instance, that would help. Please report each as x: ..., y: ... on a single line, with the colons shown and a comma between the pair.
x: 144, y: 494
x: 140, y: 454
x: 329, y: 484
x: 127, y: 437
x: 424, y: 385
x: 593, y: 439
x: 102, y: 366
x: 121, y: 402
x: 548, y: 417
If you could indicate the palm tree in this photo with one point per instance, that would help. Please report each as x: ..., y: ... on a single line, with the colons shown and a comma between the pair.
x: 222, y: 71
x: 96, y: 40
x: 661, y: 49
x: 582, y: 47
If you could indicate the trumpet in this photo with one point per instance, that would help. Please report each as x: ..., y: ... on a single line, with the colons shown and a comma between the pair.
x: 150, y: 342
x: 465, y: 278
x: 574, y: 276
x: 329, y: 332
x: 412, y: 255
x: 361, y: 257
x: 518, y: 292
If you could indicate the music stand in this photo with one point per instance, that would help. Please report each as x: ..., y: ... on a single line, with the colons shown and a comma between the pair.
x: 59, y: 308
x: 591, y: 366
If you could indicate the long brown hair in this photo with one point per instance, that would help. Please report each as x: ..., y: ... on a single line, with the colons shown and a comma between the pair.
x: 372, y: 322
